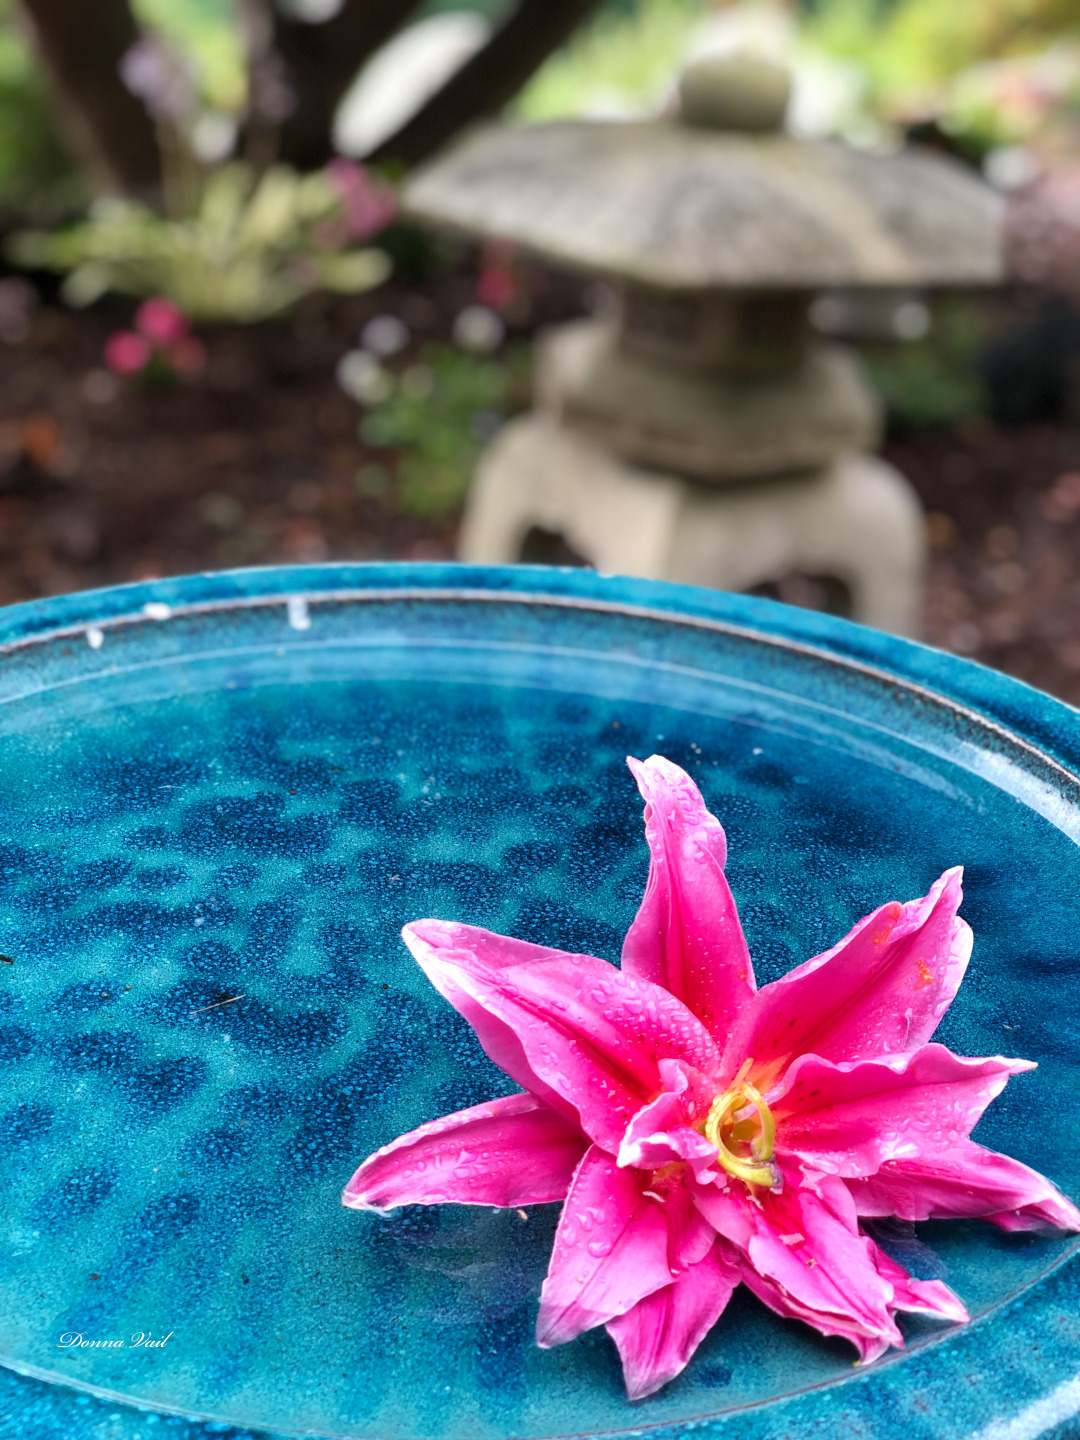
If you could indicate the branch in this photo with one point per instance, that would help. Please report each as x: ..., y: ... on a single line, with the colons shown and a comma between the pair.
x: 81, y: 45
x: 490, y: 79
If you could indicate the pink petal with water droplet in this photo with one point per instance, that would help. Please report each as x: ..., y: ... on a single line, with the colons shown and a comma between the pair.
x: 851, y: 1118
x: 443, y: 949
x: 831, y: 1279
x: 870, y: 1344
x: 880, y: 991
x: 965, y: 1182
x: 617, y: 1242
x: 573, y: 1026
x: 658, y: 1336
x: 690, y: 1236
x: 686, y: 935
x: 512, y: 1151
x: 611, y: 1250
x: 661, y: 1132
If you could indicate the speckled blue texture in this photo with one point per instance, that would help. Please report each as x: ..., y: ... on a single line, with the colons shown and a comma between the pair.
x: 246, y: 788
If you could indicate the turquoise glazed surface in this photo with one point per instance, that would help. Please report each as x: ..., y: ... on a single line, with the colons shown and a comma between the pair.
x: 242, y: 785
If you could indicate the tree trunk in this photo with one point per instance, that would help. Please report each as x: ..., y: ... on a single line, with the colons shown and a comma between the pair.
x: 81, y: 44
x: 490, y: 79
x: 321, y: 62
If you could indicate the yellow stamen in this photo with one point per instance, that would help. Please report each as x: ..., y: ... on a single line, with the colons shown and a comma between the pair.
x: 726, y: 1122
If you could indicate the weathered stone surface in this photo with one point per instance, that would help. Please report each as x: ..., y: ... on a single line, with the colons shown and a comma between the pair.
x: 741, y: 332
x: 685, y: 208
x: 699, y: 422
x: 857, y: 521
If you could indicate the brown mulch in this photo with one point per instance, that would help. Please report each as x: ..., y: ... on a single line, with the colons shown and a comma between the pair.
x: 258, y: 461
x: 1004, y: 527
x: 254, y: 462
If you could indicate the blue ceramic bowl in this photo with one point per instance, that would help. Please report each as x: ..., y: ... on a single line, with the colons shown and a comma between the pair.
x: 220, y: 798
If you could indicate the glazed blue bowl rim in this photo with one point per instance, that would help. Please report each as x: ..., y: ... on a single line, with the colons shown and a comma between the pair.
x: 1045, y: 729
x: 1030, y: 716
x: 1039, y: 724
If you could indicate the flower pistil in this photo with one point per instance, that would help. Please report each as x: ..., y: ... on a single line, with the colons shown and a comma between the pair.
x: 741, y: 1126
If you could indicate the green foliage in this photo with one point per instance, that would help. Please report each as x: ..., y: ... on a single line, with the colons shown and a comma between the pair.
x: 250, y: 250
x: 973, y: 64
x: 206, y: 31
x: 905, y: 43
x: 935, y: 380
x: 980, y: 67
x: 625, y: 59
x: 36, y: 177
x: 439, y: 416
x: 902, y: 46
x: 492, y: 10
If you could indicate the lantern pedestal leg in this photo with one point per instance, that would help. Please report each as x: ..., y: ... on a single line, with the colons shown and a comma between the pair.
x: 856, y: 521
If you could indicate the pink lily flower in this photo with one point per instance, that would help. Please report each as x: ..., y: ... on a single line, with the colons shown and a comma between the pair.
x: 703, y: 1132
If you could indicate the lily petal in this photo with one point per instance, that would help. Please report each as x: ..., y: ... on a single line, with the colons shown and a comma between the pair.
x: 690, y: 1236
x: 678, y: 1145
x: 880, y: 991
x: 802, y: 1255
x: 611, y: 1250
x: 662, y: 1131
x: 919, y: 1297
x: 507, y: 1152
x: 571, y: 1027
x: 871, y: 1344
x: 686, y: 935
x: 849, y: 1119
x: 658, y: 1336
x: 965, y: 1182
x: 445, y: 951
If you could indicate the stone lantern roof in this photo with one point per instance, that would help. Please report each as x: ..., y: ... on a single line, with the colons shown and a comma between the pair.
x: 717, y: 198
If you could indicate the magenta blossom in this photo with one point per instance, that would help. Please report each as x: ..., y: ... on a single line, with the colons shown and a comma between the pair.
x: 160, y: 347
x: 702, y: 1132
x: 161, y: 322
x: 127, y: 353
x: 368, y: 205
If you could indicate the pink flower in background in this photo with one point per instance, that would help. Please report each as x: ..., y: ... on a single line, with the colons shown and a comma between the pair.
x: 161, y: 345
x: 162, y: 322
x: 498, y: 284
x: 127, y: 353
x: 368, y: 204
x: 496, y: 287
x: 702, y: 1132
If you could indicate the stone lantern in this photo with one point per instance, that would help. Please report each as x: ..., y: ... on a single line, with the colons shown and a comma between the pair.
x: 702, y: 432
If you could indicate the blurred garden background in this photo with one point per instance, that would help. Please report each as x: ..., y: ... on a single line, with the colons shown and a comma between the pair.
x: 221, y: 344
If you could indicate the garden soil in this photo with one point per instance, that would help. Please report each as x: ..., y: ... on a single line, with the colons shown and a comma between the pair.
x: 258, y: 461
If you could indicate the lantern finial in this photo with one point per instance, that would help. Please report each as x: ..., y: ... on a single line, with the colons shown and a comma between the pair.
x: 739, y: 91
